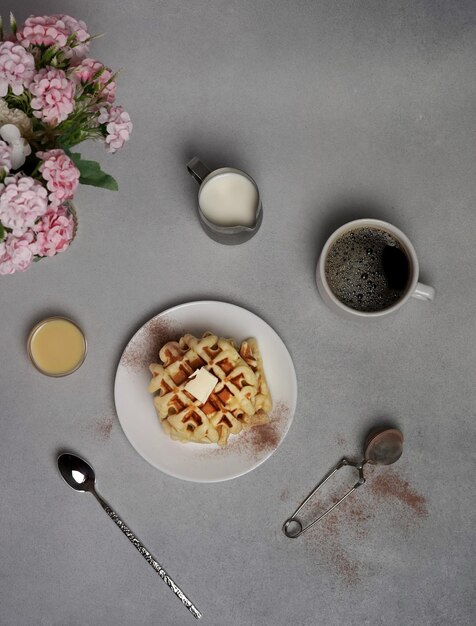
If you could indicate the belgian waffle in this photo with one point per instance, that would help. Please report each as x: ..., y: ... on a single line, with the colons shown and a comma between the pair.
x: 240, y: 398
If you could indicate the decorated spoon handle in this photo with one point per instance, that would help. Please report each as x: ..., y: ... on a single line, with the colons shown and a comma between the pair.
x: 149, y: 558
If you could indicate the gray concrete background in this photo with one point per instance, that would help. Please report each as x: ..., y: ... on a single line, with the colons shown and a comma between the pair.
x: 338, y: 110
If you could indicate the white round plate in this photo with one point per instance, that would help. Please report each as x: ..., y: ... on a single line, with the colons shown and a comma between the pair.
x: 194, y: 461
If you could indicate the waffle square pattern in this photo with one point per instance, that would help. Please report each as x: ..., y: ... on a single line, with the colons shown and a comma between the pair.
x: 239, y: 400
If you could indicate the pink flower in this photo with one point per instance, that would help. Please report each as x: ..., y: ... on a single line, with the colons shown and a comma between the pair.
x: 45, y: 30
x: 84, y: 71
x: 17, y: 67
x: 54, y: 232
x: 118, y: 126
x: 53, y: 96
x: 78, y: 28
x: 5, y: 157
x: 60, y: 173
x: 22, y: 201
x: 55, y: 30
x: 16, y: 253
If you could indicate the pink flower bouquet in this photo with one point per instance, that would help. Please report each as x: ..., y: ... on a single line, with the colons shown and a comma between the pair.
x: 53, y: 96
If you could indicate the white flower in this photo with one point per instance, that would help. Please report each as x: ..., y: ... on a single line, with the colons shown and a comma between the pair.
x: 17, y: 117
x: 5, y: 160
x: 20, y: 147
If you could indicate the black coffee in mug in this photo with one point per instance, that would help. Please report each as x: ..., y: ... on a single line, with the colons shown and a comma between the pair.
x: 367, y: 269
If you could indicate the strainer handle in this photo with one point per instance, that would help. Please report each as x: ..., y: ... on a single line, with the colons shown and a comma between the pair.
x: 293, y: 527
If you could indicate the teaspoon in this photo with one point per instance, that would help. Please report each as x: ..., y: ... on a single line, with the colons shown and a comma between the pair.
x: 80, y: 476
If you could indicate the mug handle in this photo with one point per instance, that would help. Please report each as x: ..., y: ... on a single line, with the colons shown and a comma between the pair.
x: 198, y: 170
x: 424, y: 292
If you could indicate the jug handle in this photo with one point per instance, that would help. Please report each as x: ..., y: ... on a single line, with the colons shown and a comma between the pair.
x: 198, y: 170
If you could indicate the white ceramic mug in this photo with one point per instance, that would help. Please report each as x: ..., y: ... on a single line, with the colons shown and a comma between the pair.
x: 414, y: 288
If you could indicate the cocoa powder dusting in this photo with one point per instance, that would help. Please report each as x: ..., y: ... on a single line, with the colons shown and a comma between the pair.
x: 334, y: 550
x: 352, y: 521
x: 103, y: 427
x: 257, y: 440
x: 267, y: 437
x: 341, y: 441
x: 144, y: 347
x: 330, y: 524
x: 347, y: 568
x: 355, y: 514
x: 284, y: 497
x: 389, y: 484
x: 264, y: 438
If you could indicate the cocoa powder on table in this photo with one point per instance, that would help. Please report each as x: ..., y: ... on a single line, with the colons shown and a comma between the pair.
x: 348, y: 568
x: 103, y: 427
x: 389, y: 484
x: 284, y: 496
x: 341, y: 440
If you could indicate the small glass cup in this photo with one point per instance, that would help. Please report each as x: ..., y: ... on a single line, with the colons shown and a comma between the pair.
x: 37, y: 365
x: 228, y: 235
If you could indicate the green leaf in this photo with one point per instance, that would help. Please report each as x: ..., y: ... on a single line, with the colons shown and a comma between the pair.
x: 13, y: 23
x: 2, y: 232
x: 48, y: 54
x: 92, y: 174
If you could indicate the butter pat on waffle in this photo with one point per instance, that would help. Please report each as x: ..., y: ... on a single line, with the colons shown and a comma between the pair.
x: 188, y: 410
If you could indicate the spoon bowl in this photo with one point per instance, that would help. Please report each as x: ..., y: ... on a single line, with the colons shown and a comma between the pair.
x: 76, y: 472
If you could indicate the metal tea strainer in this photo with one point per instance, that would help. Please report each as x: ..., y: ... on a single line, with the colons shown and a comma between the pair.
x: 382, y: 447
